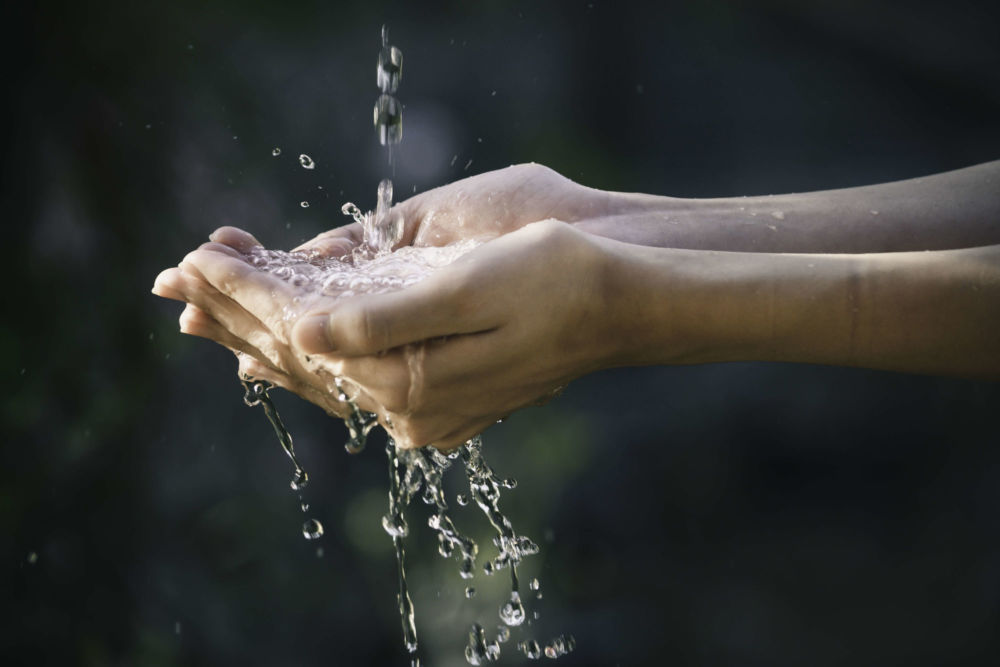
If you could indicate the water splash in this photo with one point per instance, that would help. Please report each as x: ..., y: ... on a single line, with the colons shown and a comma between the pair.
x: 478, y: 650
x: 374, y: 268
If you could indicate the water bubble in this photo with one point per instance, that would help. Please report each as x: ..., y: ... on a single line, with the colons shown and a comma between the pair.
x: 177, y: 627
x: 534, y: 584
x: 462, y: 499
x: 305, y: 507
x: 873, y: 212
x: 778, y: 215
x: 304, y: 204
x: 470, y: 592
x: 390, y: 69
x: 503, y: 633
x: 388, y: 119
x: 32, y: 558
x: 510, y: 483
x: 319, y: 552
x: 306, y: 161
x: 312, y: 529
x: 276, y: 151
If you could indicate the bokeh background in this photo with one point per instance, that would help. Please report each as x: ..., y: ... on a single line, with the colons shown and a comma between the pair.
x: 742, y: 514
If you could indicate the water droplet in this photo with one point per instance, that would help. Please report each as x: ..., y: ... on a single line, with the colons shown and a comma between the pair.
x: 305, y: 507
x: 319, y: 552
x: 306, y: 161
x: 462, y: 499
x: 512, y: 612
x: 177, y: 627
x: 32, y: 558
x: 510, y: 483
x: 530, y: 649
x: 312, y: 529
x: 388, y: 119
x: 534, y: 584
x: 477, y: 651
x: 390, y: 69
x: 470, y: 592
x: 873, y: 212
x: 503, y: 633
x: 276, y: 151
x: 304, y: 204
x: 778, y: 215
x: 467, y: 165
x: 300, y: 480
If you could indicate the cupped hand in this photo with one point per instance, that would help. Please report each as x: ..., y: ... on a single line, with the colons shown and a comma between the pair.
x: 480, y: 207
x: 503, y: 327
x: 249, y: 312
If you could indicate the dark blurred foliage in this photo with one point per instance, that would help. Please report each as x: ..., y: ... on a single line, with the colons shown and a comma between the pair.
x: 745, y: 514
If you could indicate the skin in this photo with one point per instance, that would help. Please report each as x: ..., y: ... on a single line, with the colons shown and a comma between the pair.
x: 902, y: 276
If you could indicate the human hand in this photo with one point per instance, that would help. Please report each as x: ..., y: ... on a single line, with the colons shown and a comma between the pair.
x: 501, y: 328
x: 256, y: 329
x: 479, y: 207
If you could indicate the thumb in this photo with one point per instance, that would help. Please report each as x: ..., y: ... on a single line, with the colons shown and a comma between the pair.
x: 365, y: 325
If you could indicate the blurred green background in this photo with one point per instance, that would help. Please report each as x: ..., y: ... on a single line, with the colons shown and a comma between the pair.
x: 741, y: 514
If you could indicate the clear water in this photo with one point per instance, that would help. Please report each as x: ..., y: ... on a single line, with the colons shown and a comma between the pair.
x: 413, y: 473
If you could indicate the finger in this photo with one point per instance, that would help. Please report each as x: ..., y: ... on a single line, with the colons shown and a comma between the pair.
x: 335, y: 242
x: 229, y: 314
x: 235, y: 237
x: 196, y: 322
x: 167, y: 284
x: 401, y: 379
x: 225, y: 249
x: 437, y: 306
x: 255, y: 370
x: 260, y: 293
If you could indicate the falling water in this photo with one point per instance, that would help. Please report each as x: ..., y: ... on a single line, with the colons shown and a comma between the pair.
x: 375, y: 268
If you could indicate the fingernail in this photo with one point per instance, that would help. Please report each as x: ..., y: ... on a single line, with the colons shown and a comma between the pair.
x: 312, y: 334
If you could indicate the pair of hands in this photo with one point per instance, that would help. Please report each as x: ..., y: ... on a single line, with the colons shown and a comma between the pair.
x: 505, y: 326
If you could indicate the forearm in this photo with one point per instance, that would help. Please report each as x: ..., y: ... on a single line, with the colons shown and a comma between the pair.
x: 927, y: 312
x: 957, y: 209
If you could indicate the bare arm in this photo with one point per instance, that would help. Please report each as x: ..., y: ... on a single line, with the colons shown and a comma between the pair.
x: 957, y: 209
x: 920, y: 312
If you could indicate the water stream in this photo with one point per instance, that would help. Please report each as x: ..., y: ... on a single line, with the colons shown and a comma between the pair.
x: 375, y: 268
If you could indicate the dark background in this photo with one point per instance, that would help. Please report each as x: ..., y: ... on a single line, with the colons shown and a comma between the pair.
x: 742, y: 514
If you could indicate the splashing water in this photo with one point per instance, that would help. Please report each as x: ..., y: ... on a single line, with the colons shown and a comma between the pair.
x: 375, y: 268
